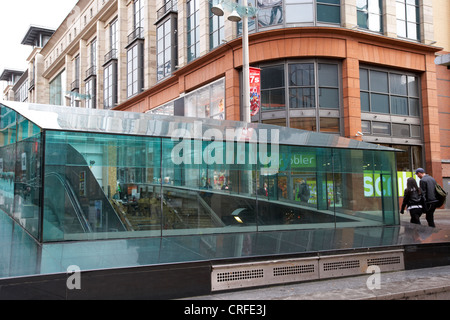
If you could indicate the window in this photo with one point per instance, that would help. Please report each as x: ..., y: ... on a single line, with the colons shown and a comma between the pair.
x: 193, y: 30
x: 369, y: 14
x: 90, y: 93
x: 166, y: 47
x: 389, y: 92
x: 272, y: 88
x: 206, y: 102
x: 305, y: 94
x: 93, y: 53
x: 113, y: 36
x: 135, y: 70
x: 138, y: 14
x: 282, y: 13
x: 110, y: 68
x: 216, y: 27
x: 58, y: 89
x: 408, y: 19
x: 110, y: 85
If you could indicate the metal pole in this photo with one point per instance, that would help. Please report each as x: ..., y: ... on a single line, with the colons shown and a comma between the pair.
x: 245, y: 71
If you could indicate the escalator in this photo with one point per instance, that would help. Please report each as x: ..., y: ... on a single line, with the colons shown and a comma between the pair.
x: 74, y: 202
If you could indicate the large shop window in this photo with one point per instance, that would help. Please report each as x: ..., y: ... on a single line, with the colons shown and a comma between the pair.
x: 205, y: 102
x: 302, y: 95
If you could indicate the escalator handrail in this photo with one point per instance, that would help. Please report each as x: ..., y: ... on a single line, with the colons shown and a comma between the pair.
x: 74, y: 200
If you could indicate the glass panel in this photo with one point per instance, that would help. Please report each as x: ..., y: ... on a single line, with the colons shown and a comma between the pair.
x: 300, y: 13
x: 379, y: 103
x: 329, y: 98
x: 415, y: 131
x: 100, y: 186
x: 304, y: 123
x: 365, y: 104
x: 272, y: 77
x: 364, y: 79
x: 301, y: 74
x: 413, y: 86
x: 381, y: 128
x: 414, y: 107
x: 399, y: 105
x: 276, y: 122
x: 270, y: 13
x: 302, y: 98
x: 328, y: 75
x: 379, y: 81
x: 398, y: 84
x: 365, y: 127
x: 327, y: 13
x: 330, y: 125
x: 400, y: 130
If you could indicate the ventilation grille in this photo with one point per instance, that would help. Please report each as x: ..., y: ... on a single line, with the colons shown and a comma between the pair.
x: 383, y: 261
x: 341, y: 265
x: 240, y: 275
x: 284, y: 271
x: 226, y: 277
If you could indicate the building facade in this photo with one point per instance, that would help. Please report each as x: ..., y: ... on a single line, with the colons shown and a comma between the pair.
x: 362, y: 69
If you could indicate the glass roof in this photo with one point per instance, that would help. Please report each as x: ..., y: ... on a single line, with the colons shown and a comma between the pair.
x: 49, y: 117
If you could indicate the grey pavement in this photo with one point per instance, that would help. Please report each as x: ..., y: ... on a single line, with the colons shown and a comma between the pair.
x: 428, y: 283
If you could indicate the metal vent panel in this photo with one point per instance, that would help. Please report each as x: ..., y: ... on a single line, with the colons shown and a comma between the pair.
x: 226, y: 277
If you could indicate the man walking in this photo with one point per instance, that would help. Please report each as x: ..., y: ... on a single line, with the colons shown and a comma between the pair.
x: 428, y: 186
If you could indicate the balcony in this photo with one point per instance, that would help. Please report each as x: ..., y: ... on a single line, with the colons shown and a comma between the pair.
x: 169, y: 6
x: 137, y: 33
x: 91, y: 72
x: 111, y: 55
x: 75, y: 85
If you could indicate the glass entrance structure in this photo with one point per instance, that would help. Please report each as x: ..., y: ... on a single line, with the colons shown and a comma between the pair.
x: 71, y: 174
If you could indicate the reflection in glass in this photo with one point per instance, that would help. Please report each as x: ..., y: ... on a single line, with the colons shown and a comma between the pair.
x: 89, y: 185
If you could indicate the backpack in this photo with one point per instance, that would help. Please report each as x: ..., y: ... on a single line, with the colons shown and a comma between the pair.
x: 441, y: 196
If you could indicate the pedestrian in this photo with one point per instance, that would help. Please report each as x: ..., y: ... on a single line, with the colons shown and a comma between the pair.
x: 428, y: 187
x: 413, y: 200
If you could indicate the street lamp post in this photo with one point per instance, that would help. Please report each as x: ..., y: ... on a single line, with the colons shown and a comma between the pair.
x: 240, y: 13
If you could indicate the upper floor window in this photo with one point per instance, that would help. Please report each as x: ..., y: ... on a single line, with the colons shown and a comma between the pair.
x: 408, y: 19
x: 193, y: 29
x: 166, y: 47
x: 369, y: 14
x: 113, y: 36
x: 393, y: 93
x: 216, y: 27
x: 138, y: 14
x: 285, y: 13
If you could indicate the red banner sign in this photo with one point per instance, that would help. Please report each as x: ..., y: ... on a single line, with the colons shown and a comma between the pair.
x: 255, y: 91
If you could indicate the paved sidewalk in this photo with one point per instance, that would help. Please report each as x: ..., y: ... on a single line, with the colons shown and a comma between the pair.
x: 430, y: 283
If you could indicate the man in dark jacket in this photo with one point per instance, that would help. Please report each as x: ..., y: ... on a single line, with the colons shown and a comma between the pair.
x: 428, y: 186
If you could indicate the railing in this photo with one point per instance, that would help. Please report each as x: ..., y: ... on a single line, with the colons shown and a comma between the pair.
x: 91, y: 72
x: 136, y: 34
x: 75, y: 85
x: 170, y: 5
x: 111, y: 55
